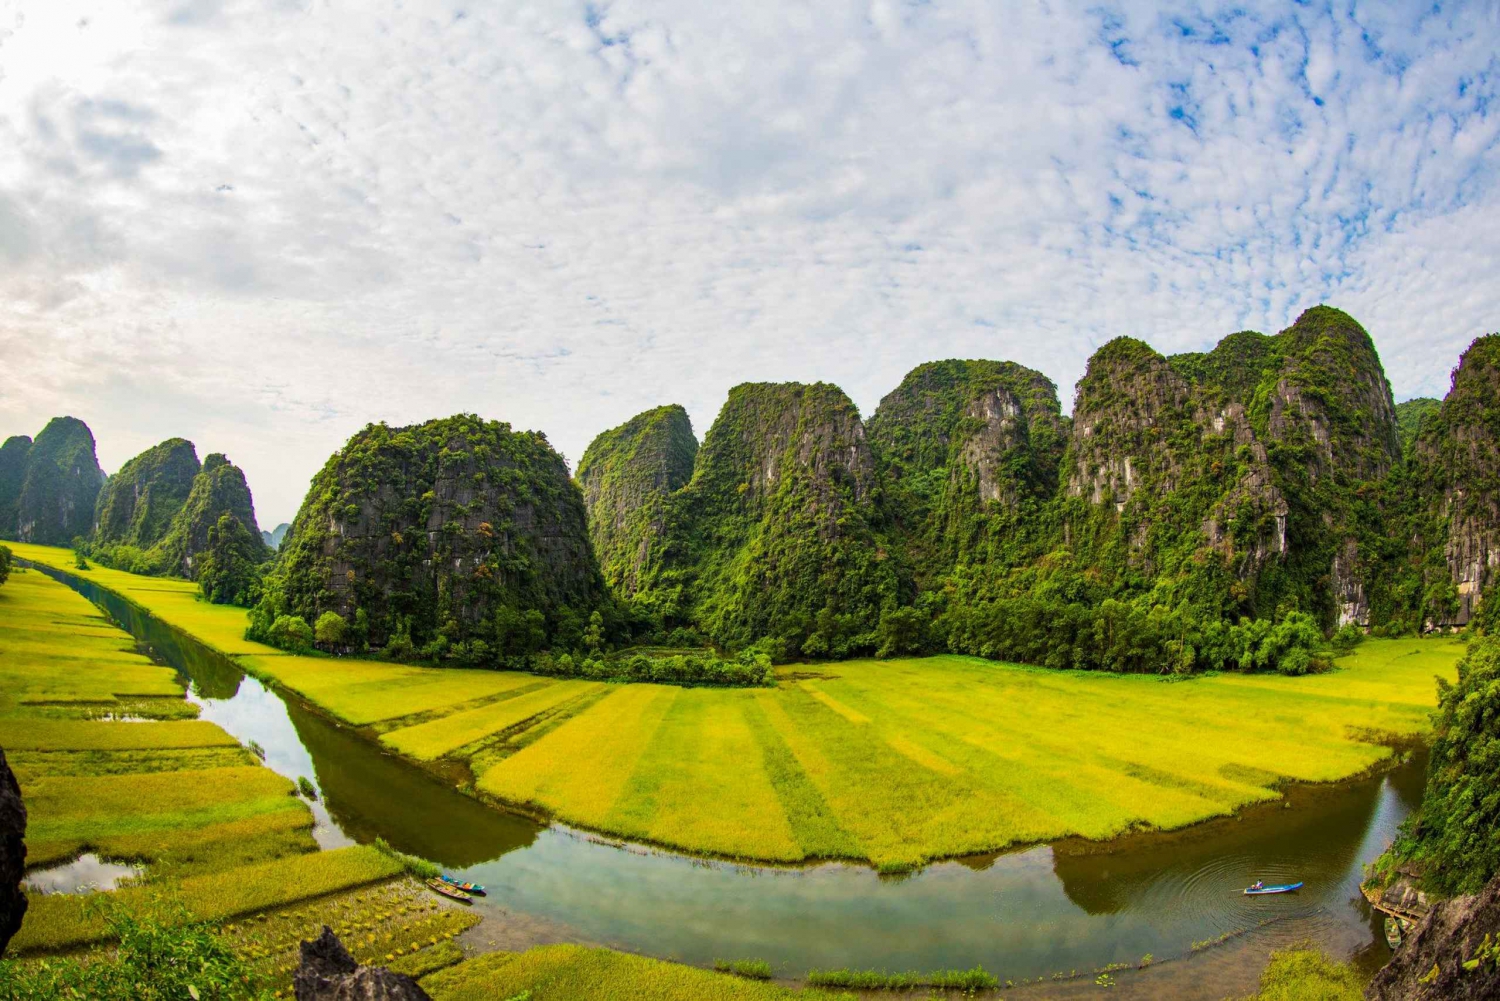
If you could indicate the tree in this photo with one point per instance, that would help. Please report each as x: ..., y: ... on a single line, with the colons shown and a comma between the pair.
x: 229, y: 568
x: 4, y: 564
x: 291, y: 632
x: 593, y: 636
x: 330, y: 629
x: 1453, y: 836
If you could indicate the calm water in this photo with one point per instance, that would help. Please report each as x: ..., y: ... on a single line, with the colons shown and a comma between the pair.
x: 1070, y: 905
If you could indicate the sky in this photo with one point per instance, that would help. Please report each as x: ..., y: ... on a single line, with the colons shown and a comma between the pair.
x: 262, y: 225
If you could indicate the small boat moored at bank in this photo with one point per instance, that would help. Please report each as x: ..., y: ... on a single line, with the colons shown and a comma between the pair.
x: 459, y: 884
x: 1259, y: 890
x: 451, y: 892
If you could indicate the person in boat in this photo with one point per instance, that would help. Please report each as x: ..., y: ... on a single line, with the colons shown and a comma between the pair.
x: 1258, y: 885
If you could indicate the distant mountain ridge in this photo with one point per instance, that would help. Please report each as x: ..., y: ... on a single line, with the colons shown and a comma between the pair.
x: 1207, y: 510
x: 1268, y: 477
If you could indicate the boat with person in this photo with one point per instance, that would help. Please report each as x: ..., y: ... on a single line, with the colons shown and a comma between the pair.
x: 1258, y: 888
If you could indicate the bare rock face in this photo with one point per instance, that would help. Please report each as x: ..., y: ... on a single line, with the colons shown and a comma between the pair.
x: 329, y: 973
x: 1454, y: 954
x: 12, y: 854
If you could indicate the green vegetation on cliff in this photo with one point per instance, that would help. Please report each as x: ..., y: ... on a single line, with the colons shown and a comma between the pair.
x: 1453, y: 837
x: 12, y: 477
x: 778, y: 536
x: 217, y: 490
x: 1409, y: 417
x: 969, y: 454
x: 1215, y: 510
x: 627, y: 475
x: 56, y: 502
x: 137, y: 505
x: 458, y: 537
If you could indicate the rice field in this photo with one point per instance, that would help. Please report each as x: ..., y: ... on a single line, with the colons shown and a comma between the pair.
x: 399, y: 925
x: 899, y: 762
x: 176, y: 793
x: 58, y: 922
x: 894, y: 762
x: 567, y: 972
x: 173, y: 601
x: 87, y: 735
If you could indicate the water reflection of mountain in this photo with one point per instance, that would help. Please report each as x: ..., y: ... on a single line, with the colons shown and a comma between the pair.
x: 1314, y: 835
x: 369, y: 793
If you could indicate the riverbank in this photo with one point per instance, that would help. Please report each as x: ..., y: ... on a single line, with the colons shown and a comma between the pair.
x: 1089, y: 904
x: 897, y: 763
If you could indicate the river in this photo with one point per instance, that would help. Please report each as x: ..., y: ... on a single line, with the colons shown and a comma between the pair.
x: 1046, y: 909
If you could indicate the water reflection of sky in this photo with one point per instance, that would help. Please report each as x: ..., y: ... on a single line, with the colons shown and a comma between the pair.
x: 259, y: 714
x: 1021, y: 914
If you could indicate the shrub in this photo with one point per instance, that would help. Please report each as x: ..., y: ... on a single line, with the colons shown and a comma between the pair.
x: 163, y: 956
x: 417, y: 866
x: 291, y: 632
x: 1347, y: 638
x: 330, y: 629
x: 1453, y: 835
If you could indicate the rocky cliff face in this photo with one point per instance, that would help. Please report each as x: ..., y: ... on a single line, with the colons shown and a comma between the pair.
x: 1453, y: 955
x: 12, y: 854
x: 218, y: 489
x: 1256, y: 450
x: 777, y: 532
x: 438, y: 523
x: 328, y: 973
x: 1456, y: 460
x: 1410, y: 416
x: 12, y: 477
x: 137, y: 505
x: 63, y: 478
x: 627, y: 475
x: 966, y: 449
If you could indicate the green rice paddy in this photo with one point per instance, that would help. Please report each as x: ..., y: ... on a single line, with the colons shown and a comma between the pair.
x: 57, y: 922
x: 567, y: 972
x: 894, y: 762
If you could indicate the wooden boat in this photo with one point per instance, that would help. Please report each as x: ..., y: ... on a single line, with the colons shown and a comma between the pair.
x: 473, y: 888
x: 1251, y: 891
x: 451, y: 892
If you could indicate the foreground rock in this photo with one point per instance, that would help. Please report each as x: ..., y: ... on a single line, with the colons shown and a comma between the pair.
x: 12, y: 854
x: 329, y: 973
x: 1430, y: 965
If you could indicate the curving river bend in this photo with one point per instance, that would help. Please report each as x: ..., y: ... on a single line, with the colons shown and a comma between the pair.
x: 1023, y: 914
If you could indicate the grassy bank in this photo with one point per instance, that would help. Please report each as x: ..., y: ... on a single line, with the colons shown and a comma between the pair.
x: 896, y: 762
x: 568, y: 972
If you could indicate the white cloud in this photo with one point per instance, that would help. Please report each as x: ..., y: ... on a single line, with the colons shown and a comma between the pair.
x: 262, y: 225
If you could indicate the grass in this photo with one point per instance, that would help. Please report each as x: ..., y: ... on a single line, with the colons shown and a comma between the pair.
x: 30, y: 765
x: 59, y: 922
x: 750, y: 969
x: 85, y: 735
x: 71, y: 812
x: 433, y: 739
x: 977, y: 979
x: 894, y: 762
x: 1306, y: 975
x: 568, y: 972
